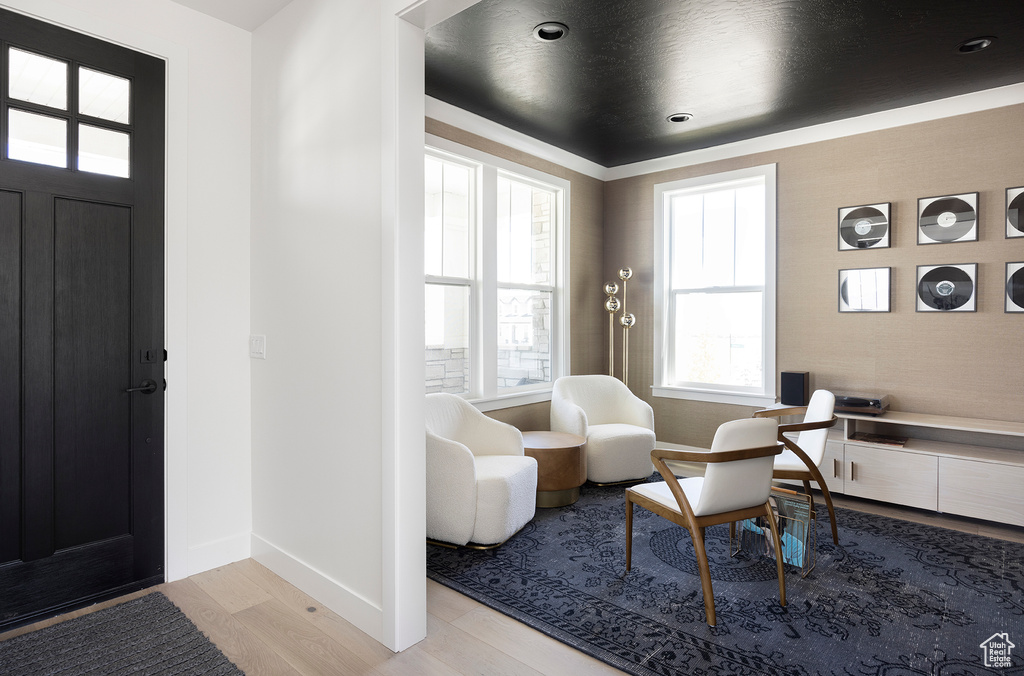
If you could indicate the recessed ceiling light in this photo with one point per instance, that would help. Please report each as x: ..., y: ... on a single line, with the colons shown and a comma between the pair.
x: 679, y: 117
x: 974, y: 45
x: 550, y: 31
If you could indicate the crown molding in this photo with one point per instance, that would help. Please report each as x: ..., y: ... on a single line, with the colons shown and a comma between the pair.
x: 888, y: 119
x: 481, y: 126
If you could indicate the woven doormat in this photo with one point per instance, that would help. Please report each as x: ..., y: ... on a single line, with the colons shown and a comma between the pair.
x: 148, y: 635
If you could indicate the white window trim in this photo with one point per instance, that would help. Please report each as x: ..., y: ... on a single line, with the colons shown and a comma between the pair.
x: 485, y: 333
x: 662, y: 267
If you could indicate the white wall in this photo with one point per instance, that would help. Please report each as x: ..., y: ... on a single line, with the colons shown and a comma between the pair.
x: 207, y: 256
x: 317, y: 295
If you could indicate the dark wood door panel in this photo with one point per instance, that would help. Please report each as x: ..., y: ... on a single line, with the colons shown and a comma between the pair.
x: 25, y: 176
x: 92, y: 368
x: 10, y: 374
x: 75, y: 573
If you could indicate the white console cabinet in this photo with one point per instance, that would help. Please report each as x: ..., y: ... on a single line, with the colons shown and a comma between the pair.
x: 963, y: 466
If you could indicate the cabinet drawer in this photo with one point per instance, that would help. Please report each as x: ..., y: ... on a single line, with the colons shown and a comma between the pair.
x: 832, y: 466
x: 982, y: 490
x: 892, y: 476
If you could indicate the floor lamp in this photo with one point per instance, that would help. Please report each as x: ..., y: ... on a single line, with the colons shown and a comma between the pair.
x: 612, y: 305
x: 627, y: 320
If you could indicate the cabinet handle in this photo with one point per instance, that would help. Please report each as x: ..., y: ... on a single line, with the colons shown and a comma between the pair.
x: 853, y: 477
x: 835, y: 468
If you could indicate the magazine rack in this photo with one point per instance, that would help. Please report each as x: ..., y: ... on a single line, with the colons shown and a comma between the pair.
x: 796, y: 528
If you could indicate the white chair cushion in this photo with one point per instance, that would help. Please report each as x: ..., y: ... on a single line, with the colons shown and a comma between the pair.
x: 506, y: 496
x: 819, y: 408
x: 660, y: 492
x: 602, y: 398
x: 788, y: 461
x: 741, y: 483
x: 619, y: 452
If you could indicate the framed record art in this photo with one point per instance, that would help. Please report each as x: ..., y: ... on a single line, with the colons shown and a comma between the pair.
x: 952, y: 218
x: 1015, y: 212
x: 947, y: 288
x: 864, y: 290
x: 1015, y: 287
x: 864, y: 227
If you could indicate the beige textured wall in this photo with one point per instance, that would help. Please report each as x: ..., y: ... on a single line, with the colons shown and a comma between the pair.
x: 586, y: 247
x: 961, y: 364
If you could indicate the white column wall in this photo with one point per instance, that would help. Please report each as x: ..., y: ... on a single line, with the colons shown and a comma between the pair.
x: 208, y: 438
x: 317, y: 295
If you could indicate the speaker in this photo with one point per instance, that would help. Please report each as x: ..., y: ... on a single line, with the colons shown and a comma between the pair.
x: 796, y: 390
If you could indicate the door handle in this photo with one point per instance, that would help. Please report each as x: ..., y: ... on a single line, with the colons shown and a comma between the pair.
x: 147, y: 387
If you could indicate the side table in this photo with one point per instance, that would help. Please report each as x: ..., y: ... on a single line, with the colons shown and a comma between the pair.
x: 561, y: 466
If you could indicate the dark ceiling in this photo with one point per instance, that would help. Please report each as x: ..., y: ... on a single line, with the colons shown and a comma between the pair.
x: 742, y: 68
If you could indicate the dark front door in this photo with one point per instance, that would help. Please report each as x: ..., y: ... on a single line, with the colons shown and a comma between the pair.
x: 81, y: 319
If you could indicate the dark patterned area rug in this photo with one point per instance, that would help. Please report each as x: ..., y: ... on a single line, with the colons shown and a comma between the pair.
x: 894, y: 598
x: 147, y: 635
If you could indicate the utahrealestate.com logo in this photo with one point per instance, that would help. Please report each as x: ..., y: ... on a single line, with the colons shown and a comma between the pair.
x: 997, y: 649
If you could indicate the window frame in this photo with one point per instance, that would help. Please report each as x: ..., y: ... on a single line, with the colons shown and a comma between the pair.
x: 664, y: 295
x: 483, y: 390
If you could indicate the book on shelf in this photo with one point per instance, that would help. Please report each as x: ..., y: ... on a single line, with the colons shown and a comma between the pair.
x: 886, y: 439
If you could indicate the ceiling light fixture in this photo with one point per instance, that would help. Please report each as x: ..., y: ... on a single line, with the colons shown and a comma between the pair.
x: 679, y: 117
x: 974, y: 45
x: 550, y: 31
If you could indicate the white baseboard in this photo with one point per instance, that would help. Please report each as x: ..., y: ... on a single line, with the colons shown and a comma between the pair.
x: 214, y: 554
x: 368, y: 617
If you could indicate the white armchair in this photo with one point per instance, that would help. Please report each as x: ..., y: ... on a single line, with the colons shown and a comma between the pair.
x: 481, y: 488
x: 618, y: 426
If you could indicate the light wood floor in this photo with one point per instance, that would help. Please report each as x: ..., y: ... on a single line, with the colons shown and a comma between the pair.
x: 266, y: 626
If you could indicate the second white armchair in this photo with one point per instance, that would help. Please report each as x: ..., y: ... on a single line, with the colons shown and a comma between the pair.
x: 481, y: 487
x: 618, y: 426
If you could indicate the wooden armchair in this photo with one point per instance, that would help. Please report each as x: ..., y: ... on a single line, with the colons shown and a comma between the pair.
x: 734, y: 487
x: 805, y: 453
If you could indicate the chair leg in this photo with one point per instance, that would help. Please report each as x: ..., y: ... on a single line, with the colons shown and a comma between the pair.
x: 810, y: 497
x: 629, y: 530
x: 820, y: 480
x: 778, y: 553
x: 705, y: 574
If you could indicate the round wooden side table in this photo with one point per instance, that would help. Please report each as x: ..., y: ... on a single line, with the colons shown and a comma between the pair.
x: 561, y: 466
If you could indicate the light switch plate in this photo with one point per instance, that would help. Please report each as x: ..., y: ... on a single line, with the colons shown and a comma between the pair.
x: 258, y: 347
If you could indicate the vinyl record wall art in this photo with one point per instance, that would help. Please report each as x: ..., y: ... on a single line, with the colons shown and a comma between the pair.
x: 947, y: 288
x: 864, y: 227
x: 953, y: 218
x: 1015, y: 212
x: 864, y: 290
x: 1015, y: 287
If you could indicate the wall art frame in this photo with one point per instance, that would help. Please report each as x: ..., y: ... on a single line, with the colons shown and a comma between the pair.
x: 867, y: 226
x: 947, y: 288
x: 1014, y: 212
x: 865, y: 290
x: 1014, y: 299
x: 947, y: 219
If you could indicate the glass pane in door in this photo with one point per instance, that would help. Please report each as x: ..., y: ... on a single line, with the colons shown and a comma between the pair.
x: 103, y: 96
x: 37, y: 138
x: 37, y: 79
x: 102, y: 151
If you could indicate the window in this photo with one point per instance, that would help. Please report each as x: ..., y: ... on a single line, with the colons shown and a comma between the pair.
x: 715, y: 287
x: 493, y: 248
x: 39, y: 118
